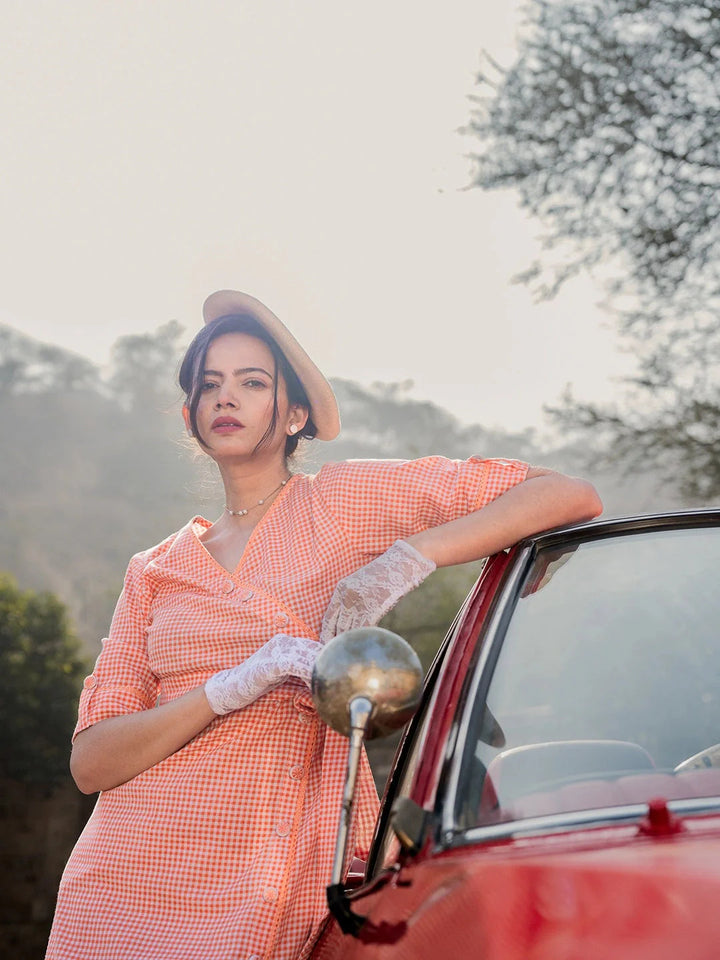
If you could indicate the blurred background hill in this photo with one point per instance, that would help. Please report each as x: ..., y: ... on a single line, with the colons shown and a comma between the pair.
x: 96, y: 466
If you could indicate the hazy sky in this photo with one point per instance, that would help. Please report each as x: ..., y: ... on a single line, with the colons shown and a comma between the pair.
x: 306, y: 152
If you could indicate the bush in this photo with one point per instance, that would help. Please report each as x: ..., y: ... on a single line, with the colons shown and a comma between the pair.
x: 41, y: 671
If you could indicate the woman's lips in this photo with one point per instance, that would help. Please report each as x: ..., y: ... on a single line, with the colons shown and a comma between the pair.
x: 226, y: 425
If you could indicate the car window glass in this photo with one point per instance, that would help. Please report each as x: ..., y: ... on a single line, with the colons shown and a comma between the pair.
x: 605, y: 682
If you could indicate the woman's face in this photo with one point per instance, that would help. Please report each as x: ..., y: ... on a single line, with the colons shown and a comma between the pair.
x: 237, y: 397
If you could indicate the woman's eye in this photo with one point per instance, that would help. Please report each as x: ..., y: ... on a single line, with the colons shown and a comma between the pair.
x: 208, y: 385
x: 255, y: 383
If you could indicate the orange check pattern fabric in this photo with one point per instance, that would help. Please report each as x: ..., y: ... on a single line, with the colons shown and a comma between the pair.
x: 224, y: 849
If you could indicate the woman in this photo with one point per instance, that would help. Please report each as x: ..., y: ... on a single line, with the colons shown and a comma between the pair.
x: 213, y: 834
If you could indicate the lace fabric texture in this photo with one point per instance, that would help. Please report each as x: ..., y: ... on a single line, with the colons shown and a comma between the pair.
x: 363, y: 598
x: 277, y: 660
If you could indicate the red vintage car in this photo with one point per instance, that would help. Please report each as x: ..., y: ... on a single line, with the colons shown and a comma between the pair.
x: 557, y: 793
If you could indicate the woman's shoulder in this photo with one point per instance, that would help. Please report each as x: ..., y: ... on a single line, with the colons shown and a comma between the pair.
x: 144, y: 558
x: 434, y: 477
x: 356, y: 485
x: 340, y: 473
x: 363, y: 470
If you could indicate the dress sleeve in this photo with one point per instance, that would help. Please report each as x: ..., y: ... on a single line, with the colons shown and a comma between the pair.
x: 379, y: 501
x: 122, y: 681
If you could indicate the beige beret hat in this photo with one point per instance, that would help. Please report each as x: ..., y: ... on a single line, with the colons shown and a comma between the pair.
x: 323, y: 405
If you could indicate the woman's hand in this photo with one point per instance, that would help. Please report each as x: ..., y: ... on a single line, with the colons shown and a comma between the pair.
x: 363, y: 598
x: 544, y: 500
x: 115, y: 750
x: 279, y: 659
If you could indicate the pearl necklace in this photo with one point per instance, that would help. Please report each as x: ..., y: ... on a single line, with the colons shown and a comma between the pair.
x: 244, y: 513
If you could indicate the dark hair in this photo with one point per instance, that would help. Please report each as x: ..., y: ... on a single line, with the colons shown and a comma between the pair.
x: 192, y: 376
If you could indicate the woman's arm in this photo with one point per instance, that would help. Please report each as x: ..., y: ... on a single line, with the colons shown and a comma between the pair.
x: 115, y: 750
x: 543, y: 500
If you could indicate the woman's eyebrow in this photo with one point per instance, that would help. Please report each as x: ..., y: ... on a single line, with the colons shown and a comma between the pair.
x: 239, y: 372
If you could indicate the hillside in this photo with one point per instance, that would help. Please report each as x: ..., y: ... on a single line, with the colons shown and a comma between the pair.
x: 96, y: 466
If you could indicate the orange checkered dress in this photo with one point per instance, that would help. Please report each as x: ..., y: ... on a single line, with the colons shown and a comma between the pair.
x: 224, y: 849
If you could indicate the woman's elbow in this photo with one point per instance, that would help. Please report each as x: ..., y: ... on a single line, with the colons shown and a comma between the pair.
x: 586, y: 500
x: 574, y: 499
x: 87, y: 788
x: 81, y: 775
x: 83, y: 768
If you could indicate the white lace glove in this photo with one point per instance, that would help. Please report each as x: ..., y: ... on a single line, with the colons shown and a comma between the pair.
x: 280, y: 658
x: 363, y: 598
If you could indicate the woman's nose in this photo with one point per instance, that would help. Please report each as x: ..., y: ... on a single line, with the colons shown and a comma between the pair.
x: 225, y: 397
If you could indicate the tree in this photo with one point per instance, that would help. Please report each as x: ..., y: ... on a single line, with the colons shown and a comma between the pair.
x: 40, y: 675
x: 142, y: 368
x: 608, y: 125
x: 28, y: 366
x: 383, y: 420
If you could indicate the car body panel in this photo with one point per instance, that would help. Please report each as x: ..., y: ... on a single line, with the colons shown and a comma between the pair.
x: 600, y: 894
x: 618, y: 875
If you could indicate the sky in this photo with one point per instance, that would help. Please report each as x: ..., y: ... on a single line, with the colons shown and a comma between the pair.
x: 308, y: 153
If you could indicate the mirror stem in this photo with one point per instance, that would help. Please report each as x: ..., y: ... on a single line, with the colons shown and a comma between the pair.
x: 360, y: 709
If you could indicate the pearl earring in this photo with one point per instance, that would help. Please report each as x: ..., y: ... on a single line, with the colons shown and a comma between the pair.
x: 293, y: 428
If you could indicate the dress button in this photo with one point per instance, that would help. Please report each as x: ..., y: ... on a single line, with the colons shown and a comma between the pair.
x: 247, y: 595
x: 255, y: 956
x: 228, y: 586
x: 282, y: 619
x: 297, y: 772
x: 282, y: 828
x: 303, y: 718
x: 270, y: 894
x: 89, y: 682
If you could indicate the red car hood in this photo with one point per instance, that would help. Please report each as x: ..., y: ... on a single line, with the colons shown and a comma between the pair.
x: 649, y: 900
x: 608, y: 894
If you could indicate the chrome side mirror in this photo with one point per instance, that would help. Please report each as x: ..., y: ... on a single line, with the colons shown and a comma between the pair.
x: 372, y: 663
x: 366, y: 683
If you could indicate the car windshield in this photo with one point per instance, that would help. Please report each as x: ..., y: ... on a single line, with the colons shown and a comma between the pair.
x: 605, y: 689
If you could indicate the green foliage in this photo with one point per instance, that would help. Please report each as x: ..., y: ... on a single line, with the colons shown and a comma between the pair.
x: 40, y: 675
x: 662, y: 427
x: 608, y: 126
x: 424, y: 616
